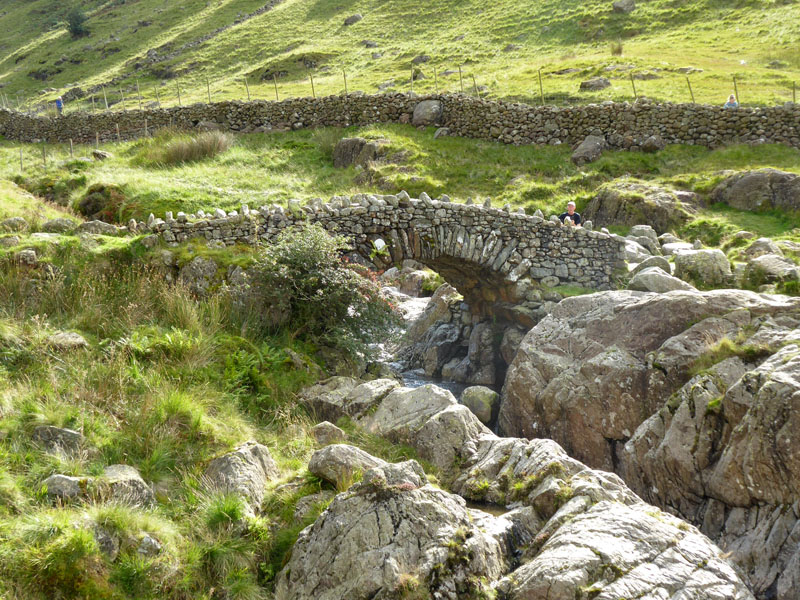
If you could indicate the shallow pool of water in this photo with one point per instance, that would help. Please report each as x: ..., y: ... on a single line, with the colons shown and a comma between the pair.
x: 417, y: 378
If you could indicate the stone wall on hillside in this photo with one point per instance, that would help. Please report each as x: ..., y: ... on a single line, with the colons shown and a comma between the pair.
x: 623, y: 125
x: 481, y: 251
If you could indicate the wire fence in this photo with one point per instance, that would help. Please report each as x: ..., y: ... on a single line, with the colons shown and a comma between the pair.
x: 547, y: 87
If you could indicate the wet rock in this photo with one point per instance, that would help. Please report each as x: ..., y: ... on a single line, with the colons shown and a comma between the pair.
x: 245, y: 471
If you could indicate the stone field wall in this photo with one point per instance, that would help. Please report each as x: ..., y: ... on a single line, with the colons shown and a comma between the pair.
x: 623, y: 125
x: 482, y: 251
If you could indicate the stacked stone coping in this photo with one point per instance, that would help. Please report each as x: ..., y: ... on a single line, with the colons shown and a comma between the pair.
x: 470, y: 245
x: 624, y: 125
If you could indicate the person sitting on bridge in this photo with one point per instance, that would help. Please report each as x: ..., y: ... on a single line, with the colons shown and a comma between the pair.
x: 574, y: 218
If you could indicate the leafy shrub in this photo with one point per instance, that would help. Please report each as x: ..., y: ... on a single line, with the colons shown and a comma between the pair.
x: 103, y: 201
x: 76, y: 22
x: 302, y: 283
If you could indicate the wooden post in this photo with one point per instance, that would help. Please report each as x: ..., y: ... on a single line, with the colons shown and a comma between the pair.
x: 179, y: 93
x: 313, y: 91
x: 247, y: 87
x: 344, y: 75
x: 475, y: 85
x: 541, y: 87
x: 96, y: 140
x: 145, y: 129
x: 44, y: 156
x: 461, y: 79
x: 105, y: 98
x: 21, y: 164
x: 94, y: 108
x: 121, y: 93
x: 138, y: 94
x: 736, y: 89
x: 119, y: 137
x: 158, y: 98
x: 633, y: 85
x: 71, y: 150
x: 208, y: 89
x: 412, y: 80
x: 691, y: 93
x: 275, y: 81
x: 435, y: 80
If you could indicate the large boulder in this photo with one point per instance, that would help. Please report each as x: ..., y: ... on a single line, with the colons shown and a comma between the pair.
x: 723, y: 453
x: 427, y: 112
x: 630, y: 203
x: 245, y: 471
x: 594, y: 84
x: 589, y: 150
x: 482, y: 401
x: 762, y: 246
x: 62, y: 488
x: 706, y: 268
x: 599, y: 365
x: 771, y: 268
x: 356, y: 151
x: 340, y: 464
x: 655, y: 279
x: 388, y: 536
x: 339, y: 397
x: 60, y: 225
x: 764, y: 189
x: 624, y: 6
x: 58, y: 440
x: 198, y: 275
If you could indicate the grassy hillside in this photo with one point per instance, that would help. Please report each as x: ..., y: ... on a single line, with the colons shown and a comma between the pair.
x: 503, y: 44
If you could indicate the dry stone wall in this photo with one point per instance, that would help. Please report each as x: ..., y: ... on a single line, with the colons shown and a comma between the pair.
x: 484, y: 252
x: 623, y: 125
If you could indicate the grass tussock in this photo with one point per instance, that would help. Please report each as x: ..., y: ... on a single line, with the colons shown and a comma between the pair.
x: 171, y: 148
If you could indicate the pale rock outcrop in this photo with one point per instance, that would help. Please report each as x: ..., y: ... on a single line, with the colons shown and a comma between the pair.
x: 764, y: 189
x: 482, y: 401
x: 427, y: 112
x: 327, y: 433
x: 589, y: 150
x: 338, y: 397
x: 245, y: 471
x: 655, y: 279
x: 632, y: 203
x: 126, y: 486
x: 771, y: 268
x: 704, y: 268
x: 340, y: 463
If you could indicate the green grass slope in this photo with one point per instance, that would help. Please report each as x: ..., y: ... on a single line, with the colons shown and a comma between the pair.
x: 503, y: 44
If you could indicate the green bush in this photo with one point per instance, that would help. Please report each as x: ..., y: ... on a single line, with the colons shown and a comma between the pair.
x: 302, y: 283
x: 76, y: 22
x: 103, y: 202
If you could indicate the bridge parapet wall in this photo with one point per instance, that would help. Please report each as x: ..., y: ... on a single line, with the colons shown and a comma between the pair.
x: 624, y: 125
x: 482, y: 251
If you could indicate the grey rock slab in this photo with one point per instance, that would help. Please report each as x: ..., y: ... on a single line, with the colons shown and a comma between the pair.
x: 127, y: 486
x: 340, y: 463
x: 245, y: 471
x: 327, y: 433
x: 427, y: 112
x: 482, y: 401
x: 655, y: 279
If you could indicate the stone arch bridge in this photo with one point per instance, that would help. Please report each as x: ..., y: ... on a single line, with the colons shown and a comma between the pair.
x: 483, y: 252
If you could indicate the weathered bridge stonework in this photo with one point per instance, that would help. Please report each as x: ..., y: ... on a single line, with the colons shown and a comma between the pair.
x: 483, y: 252
x: 624, y: 125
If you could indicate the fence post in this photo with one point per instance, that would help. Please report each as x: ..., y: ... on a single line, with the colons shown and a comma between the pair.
x: 461, y: 79
x: 121, y: 93
x: 158, y: 98
x: 541, y: 87
x: 208, y: 89
x: 313, y: 91
x: 119, y: 137
x: 633, y: 85
x: 691, y: 93
x: 96, y: 140
x: 275, y: 81
x: 44, y: 156
x: 736, y: 89
x: 145, y: 128
x: 94, y: 108
x: 247, y: 87
x: 412, y: 80
x: 344, y: 75
x: 71, y: 151
x: 21, y: 164
x: 475, y: 86
x: 138, y: 94
x: 435, y: 80
x: 177, y: 85
x: 105, y: 98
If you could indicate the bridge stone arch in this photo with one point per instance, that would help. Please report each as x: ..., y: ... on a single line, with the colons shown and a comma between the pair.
x: 483, y: 252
